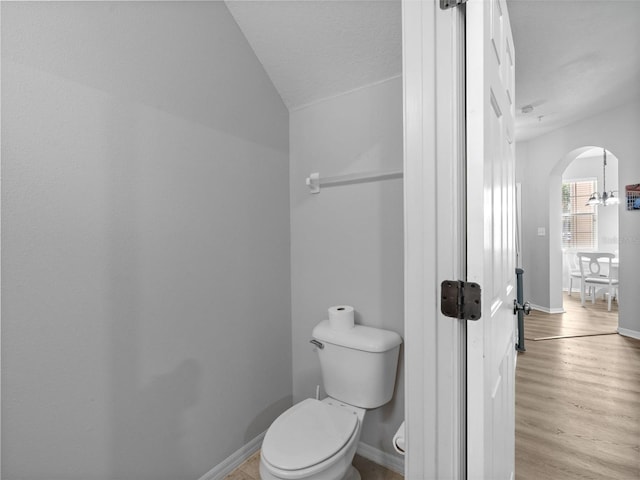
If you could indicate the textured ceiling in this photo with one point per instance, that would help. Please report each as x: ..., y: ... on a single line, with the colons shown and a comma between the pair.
x: 317, y: 49
x: 574, y: 58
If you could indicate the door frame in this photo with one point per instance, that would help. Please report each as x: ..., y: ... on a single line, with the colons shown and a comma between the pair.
x: 435, y: 248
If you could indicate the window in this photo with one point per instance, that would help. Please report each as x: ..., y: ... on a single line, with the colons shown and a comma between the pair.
x: 579, y: 220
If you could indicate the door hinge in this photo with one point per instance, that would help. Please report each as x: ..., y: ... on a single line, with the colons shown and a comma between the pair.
x: 461, y: 300
x: 446, y: 4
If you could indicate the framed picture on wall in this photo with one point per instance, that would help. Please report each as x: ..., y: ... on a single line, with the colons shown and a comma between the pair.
x: 633, y: 196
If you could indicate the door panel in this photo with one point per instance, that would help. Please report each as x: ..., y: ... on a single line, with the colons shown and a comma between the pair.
x: 491, y: 241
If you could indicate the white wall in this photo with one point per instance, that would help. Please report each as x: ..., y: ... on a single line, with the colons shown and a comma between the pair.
x: 347, y: 241
x: 541, y: 162
x: 146, y: 328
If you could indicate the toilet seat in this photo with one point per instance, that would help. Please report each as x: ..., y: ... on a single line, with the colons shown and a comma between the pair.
x: 307, y: 434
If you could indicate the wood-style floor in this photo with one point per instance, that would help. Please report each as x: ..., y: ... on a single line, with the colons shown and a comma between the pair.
x: 250, y: 470
x: 577, y: 398
x: 578, y: 320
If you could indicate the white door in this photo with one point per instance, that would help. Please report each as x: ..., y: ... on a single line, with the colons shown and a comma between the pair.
x: 491, y: 245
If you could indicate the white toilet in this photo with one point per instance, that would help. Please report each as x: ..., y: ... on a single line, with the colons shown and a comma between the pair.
x: 316, y: 440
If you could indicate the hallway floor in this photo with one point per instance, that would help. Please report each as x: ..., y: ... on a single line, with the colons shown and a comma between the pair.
x: 577, y: 398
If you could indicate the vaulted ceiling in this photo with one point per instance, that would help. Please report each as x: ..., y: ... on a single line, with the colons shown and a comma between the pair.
x: 317, y: 49
x: 574, y: 58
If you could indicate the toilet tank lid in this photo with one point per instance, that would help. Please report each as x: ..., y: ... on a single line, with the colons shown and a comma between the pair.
x: 367, y: 339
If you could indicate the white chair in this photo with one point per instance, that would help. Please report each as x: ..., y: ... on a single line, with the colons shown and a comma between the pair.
x: 574, y: 271
x: 593, y: 275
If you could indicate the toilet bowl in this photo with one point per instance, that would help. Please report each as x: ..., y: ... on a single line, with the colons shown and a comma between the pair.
x: 313, y: 440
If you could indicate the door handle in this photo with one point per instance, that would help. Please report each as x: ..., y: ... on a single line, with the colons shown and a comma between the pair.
x: 525, y: 307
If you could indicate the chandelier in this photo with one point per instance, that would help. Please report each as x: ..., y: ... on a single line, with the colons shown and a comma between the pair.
x: 606, y: 198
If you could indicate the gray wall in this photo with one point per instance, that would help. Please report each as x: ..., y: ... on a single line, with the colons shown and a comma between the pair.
x: 541, y: 162
x: 347, y: 241
x: 145, y: 241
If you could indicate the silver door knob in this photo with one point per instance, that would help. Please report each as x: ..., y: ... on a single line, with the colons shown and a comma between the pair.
x: 525, y: 307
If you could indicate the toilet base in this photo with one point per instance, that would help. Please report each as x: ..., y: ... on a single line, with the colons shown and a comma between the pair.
x: 352, y: 474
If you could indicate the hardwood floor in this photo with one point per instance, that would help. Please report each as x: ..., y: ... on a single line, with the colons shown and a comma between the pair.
x: 578, y: 320
x: 577, y: 398
x: 250, y: 470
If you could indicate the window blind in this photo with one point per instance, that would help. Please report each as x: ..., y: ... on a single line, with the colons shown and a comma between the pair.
x: 579, y: 220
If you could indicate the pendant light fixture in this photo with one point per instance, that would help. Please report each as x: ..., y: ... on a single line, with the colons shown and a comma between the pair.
x: 606, y: 198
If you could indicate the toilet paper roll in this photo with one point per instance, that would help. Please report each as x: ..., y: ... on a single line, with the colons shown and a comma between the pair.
x: 398, y: 440
x: 341, y: 317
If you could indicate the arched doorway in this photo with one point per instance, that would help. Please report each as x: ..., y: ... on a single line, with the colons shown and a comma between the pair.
x: 582, y: 227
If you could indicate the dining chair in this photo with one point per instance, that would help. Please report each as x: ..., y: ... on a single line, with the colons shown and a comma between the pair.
x: 593, y: 274
x: 574, y: 272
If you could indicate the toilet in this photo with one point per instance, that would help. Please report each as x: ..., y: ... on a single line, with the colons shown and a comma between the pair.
x: 317, y: 439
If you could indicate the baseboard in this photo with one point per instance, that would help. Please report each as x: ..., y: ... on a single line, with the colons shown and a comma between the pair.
x: 553, y: 311
x: 387, y: 460
x: 232, y: 462
x: 629, y: 333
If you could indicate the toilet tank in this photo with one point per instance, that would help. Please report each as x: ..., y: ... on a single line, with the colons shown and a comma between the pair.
x: 359, y: 364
